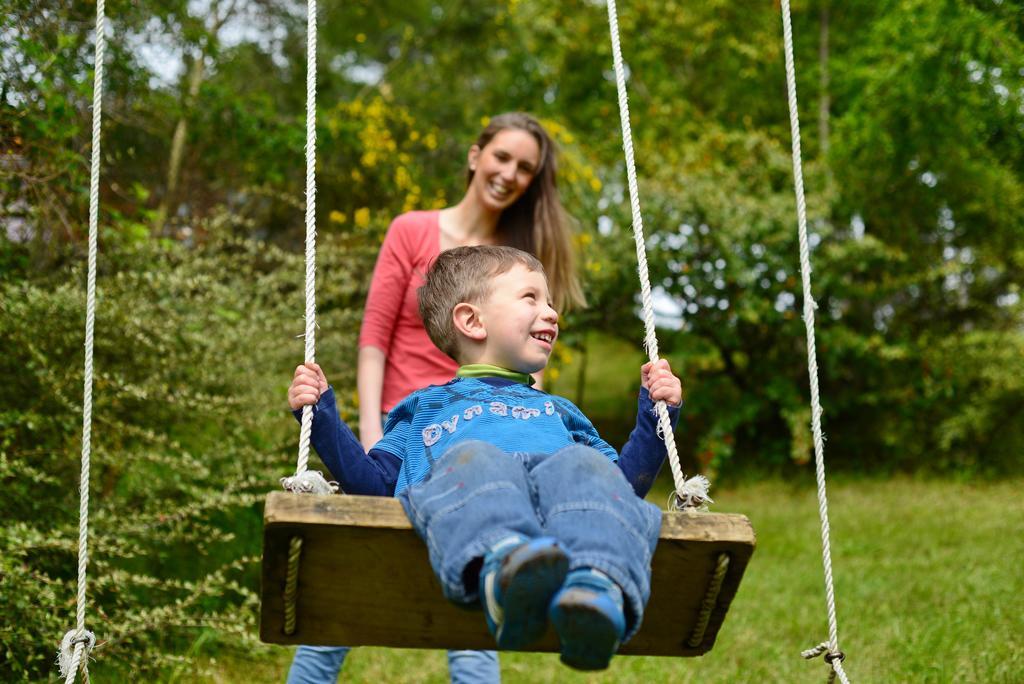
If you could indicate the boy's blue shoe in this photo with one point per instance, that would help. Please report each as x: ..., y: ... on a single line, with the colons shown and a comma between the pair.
x: 517, y: 581
x: 588, y: 616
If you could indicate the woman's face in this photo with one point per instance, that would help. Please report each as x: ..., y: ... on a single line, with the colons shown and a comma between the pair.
x: 504, y: 169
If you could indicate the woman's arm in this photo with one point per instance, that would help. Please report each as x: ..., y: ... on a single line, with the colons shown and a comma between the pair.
x: 370, y: 384
x: 391, y: 276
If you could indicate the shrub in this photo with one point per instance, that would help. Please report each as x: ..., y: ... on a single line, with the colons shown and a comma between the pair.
x: 194, y: 351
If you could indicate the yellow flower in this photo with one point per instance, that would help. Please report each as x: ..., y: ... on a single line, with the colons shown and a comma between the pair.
x: 360, y: 37
x: 552, y: 374
x: 414, y: 135
x: 362, y: 217
x: 337, y: 217
x: 357, y: 176
x: 595, y: 184
x: 402, y: 178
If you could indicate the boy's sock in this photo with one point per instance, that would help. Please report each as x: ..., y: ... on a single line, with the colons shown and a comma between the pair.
x: 588, y: 615
x: 518, y: 579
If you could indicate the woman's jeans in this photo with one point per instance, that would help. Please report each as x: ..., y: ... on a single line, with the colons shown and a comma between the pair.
x: 477, y: 495
x: 321, y: 664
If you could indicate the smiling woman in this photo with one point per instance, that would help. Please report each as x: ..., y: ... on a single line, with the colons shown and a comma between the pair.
x: 511, y: 199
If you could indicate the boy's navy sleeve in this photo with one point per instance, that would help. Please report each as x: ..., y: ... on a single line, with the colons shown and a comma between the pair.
x: 357, y: 472
x: 644, y: 451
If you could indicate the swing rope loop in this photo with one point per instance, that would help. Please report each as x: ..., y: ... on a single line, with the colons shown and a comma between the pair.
x: 692, y: 492
x: 80, y: 639
x: 707, y: 606
x: 74, y: 649
x: 834, y: 660
x: 291, y: 584
x: 812, y: 361
x: 306, y: 481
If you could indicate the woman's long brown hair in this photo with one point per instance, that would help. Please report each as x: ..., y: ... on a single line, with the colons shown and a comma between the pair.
x: 537, y: 222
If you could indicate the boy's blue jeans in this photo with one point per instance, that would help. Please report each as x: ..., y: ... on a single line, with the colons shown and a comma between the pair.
x: 477, y: 495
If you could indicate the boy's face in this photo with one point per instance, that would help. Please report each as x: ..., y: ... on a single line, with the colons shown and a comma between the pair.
x: 521, y: 325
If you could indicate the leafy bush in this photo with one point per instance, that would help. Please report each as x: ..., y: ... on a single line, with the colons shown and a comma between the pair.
x: 190, y: 429
x: 919, y: 357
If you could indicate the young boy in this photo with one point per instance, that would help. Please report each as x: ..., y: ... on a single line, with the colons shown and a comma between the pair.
x: 522, y: 505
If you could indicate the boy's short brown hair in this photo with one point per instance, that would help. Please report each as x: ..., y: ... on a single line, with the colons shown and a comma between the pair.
x: 463, y: 275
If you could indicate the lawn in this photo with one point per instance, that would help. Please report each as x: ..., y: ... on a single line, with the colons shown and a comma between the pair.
x: 928, y: 587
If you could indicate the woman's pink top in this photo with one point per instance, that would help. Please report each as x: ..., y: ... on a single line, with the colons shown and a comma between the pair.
x: 391, y: 321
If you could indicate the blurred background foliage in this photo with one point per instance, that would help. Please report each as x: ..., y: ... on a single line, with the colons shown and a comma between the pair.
x: 912, y: 111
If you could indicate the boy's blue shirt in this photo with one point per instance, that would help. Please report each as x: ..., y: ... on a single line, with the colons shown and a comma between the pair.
x: 505, y: 413
x: 511, y: 416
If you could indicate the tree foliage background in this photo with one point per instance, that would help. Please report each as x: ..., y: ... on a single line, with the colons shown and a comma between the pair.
x: 913, y: 116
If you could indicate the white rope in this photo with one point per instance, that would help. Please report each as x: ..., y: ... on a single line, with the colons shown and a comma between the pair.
x: 834, y: 656
x: 80, y: 639
x: 305, y: 481
x: 692, y: 492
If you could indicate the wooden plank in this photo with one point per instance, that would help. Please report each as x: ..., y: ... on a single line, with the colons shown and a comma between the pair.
x: 364, y: 579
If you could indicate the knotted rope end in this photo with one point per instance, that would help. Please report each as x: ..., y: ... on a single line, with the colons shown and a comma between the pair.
x: 309, y: 482
x: 815, y: 652
x: 693, y: 494
x: 66, y: 653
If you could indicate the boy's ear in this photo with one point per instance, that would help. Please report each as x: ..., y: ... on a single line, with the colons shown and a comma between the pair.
x: 468, y: 323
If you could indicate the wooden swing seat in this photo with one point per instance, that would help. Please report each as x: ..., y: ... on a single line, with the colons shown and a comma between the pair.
x: 364, y: 579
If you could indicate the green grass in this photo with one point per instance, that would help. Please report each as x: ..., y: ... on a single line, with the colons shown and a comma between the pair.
x: 928, y: 582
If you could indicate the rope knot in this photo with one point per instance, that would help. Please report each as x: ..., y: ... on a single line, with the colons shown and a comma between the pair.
x: 309, y: 482
x: 66, y: 654
x: 693, y: 494
x: 833, y: 658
